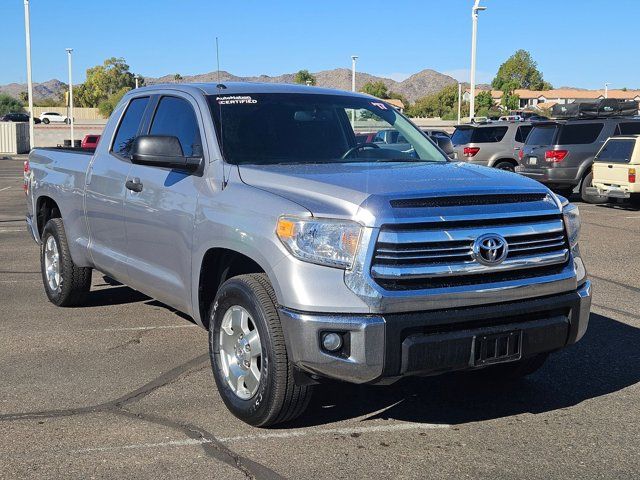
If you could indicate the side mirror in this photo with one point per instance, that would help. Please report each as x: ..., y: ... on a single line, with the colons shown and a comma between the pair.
x: 162, y: 151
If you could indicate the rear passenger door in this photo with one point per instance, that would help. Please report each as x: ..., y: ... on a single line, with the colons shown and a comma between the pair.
x: 105, y: 192
x: 160, y: 218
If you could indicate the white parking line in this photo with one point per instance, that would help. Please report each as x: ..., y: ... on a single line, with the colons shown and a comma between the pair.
x: 9, y: 230
x: 264, y: 436
x: 5, y: 188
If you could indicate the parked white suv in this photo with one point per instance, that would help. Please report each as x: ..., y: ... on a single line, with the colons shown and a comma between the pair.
x: 53, y: 117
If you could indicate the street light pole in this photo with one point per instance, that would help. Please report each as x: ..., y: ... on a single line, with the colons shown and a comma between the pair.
x: 136, y: 78
x: 459, y: 101
x: 69, y: 50
x: 353, y: 72
x: 27, y: 30
x: 474, y: 34
x: 606, y: 89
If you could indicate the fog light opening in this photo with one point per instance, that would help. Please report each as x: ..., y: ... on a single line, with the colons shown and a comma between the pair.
x: 331, y: 341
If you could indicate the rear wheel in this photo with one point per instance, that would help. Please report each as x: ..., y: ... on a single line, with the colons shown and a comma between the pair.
x: 45, y: 121
x: 586, y: 183
x: 65, y: 283
x: 249, y: 356
x: 505, y: 165
x: 635, y: 200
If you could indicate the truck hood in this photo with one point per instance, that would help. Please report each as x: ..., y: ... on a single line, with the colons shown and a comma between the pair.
x: 342, y: 189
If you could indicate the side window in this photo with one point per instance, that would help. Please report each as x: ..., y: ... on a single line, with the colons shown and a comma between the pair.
x: 629, y: 128
x: 579, y: 133
x: 129, y: 125
x: 175, y: 117
x: 617, y: 151
x: 522, y: 133
x: 379, y: 137
x: 488, y: 134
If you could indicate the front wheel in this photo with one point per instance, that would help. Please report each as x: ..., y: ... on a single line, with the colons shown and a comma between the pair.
x: 249, y: 356
x: 65, y: 283
x: 45, y: 121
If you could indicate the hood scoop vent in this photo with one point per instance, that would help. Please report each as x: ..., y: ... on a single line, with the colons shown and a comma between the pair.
x: 464, y: 200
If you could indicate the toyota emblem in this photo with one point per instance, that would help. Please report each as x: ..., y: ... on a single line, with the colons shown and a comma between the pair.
x: 490, y: 249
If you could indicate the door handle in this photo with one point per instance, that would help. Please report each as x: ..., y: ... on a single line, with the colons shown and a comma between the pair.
x: 610, y: 166
x: 134, y: 185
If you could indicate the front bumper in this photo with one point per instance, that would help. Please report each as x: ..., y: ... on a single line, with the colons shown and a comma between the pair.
x: 388, y: 346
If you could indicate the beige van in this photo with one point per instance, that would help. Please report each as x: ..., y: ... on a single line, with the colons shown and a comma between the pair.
x: 615, y: 168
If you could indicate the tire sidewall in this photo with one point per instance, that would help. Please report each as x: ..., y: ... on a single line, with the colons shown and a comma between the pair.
x: 51, y: 230
x: 594, y: 199
x: 505, y: 166
x: 232, y: 293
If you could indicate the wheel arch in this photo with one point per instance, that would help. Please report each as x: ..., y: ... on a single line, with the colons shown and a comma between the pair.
x: 216, y: 266
x: 46, y: 209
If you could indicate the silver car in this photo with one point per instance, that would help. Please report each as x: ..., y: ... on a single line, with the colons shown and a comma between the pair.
x: 493, y: 144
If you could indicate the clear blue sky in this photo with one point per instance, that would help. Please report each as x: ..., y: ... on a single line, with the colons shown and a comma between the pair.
x: 575, y: 42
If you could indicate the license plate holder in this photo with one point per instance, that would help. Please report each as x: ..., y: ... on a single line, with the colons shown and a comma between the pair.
x: 495, y: 348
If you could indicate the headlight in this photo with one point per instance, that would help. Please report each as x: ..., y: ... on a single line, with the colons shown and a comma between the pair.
x: 571, y: 216
x: 322, y: 241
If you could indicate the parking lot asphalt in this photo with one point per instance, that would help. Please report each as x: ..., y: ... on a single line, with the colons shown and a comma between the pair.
x: 123, y: 388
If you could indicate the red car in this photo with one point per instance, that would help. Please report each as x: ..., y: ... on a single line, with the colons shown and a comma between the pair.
x: 90, y: 142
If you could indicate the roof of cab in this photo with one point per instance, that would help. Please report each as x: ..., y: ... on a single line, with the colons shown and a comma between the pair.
x: 244, y: 88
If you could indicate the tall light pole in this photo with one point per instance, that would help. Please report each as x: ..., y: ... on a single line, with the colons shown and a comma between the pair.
x: 606, y: 89
x: 459, y: 101
x: 69, y: 50
x: 27, y: 31
x: 136, y: 76
x: 474, y: 34
x: 353, y: 72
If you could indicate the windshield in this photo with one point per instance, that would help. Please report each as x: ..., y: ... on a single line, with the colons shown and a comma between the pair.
x: 283, y: 128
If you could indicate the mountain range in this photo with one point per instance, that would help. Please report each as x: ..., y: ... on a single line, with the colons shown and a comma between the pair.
x: 416, y: 86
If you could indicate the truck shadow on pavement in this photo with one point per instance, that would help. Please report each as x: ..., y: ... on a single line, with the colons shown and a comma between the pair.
x: 606, y: 360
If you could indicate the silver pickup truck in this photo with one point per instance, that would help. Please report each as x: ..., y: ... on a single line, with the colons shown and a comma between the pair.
x: 308, y: 256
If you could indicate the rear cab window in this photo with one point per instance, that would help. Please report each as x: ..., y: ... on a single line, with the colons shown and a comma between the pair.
x: 616, y: 151
x: 129, y: 126
x: 579, y: 133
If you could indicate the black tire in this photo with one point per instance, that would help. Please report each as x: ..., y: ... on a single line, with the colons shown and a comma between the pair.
x: 508, y: 372
x: 75, y: 281
x: 565, y: 192
x: 45, y: 121
x: 594, y: 199
x: 634, y: 200
x: 277, y: 399
x: 505, y: 165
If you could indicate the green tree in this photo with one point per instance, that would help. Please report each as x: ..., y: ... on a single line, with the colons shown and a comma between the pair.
x: 8, y: 104
x: 106, y: 107
x: 24, y: 97
x: 510, y: 100
x: 304, y: 76
x: 519, y: 71
x: 377, y: 89
x: 442, y: 104
x: 103, y: 81
x: 484, y: 100
x: 177, y: 77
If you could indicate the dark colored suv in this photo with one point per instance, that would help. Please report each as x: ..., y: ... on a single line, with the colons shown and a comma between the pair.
x: 560, y: 153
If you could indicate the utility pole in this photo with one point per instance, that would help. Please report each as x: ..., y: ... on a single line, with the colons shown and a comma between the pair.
x: 353, y: 72
x: 27, y: 30
x: 474, y: 34
x: 606, y: 89
x: 69, y: 50
x: 136, y: 78
x: 459, y: 101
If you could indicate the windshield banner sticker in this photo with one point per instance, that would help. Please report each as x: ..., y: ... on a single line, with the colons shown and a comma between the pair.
x: 235, y: 100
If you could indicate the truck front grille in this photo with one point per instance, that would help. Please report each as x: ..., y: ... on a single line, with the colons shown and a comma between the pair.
x: 438, y: 255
